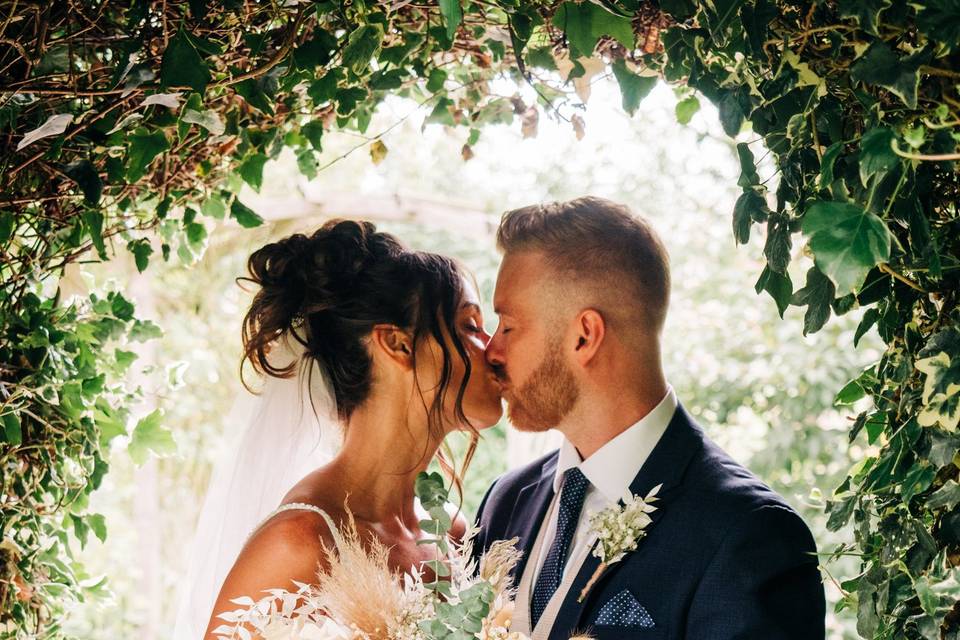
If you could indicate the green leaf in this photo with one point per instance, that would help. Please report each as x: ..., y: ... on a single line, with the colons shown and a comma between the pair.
x: 748, y: 166
x: 778, y: 243
x: 85, y: 175
x: 941, y: 390
x: 850, y: 394
x: 325, y: 88
x: 243, y: 214
x: 209, y: 119
x: 917, y: 480
x: 98, y: 524
x: 865, y: 12
x: 749, y: 208
x: 947, y: 496
x: 940, y: 20
x: 363, y: 44
x: 584, y: 23
x: 816, y: 295
x: 7, y: 223
x: 452, y: 15
x: 633, y: 88
x: 826, y: 165
x: 251, y: 170
x: 436, y: 80
x: 12, y: 430
x: 121, y: 308
x: 93, y: 220
x: 731, y: 114
x: 778, y: 285
x: 686, y: 108
x: 141, y: 251
x: 876, y: 153
x: 846, y: 242
x: 214, y: 207
x: 144, y: 147
x: 149, y: 436
x: 313, y: 131
x: 882, y: 67
x: 182, y: 65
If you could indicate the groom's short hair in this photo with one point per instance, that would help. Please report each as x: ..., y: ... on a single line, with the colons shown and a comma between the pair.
x: 598, y: 243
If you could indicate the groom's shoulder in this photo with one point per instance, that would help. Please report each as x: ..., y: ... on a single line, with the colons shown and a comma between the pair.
x: 507, y: 486
x: 730, y: 488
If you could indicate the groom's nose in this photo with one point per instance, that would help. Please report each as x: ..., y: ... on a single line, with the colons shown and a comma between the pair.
x: 494, y: 351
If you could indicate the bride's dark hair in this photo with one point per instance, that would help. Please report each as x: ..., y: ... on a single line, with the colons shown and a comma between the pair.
x: 329, y: 289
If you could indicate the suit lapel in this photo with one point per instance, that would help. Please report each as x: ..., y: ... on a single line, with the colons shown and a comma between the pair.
x: 528, y: 512
x: 667, y: 463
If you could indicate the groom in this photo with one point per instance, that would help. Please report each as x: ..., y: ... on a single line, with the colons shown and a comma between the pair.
x: 582, y: 297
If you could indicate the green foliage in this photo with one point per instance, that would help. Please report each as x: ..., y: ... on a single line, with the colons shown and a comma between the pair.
x: 165, y: 105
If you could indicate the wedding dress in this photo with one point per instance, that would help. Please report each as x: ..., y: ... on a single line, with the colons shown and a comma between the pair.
x: 287, y: 430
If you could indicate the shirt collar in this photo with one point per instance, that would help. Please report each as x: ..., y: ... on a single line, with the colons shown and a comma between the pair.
x: 613, y: 466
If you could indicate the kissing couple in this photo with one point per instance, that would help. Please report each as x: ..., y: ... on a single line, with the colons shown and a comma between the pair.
x: 396, y: 339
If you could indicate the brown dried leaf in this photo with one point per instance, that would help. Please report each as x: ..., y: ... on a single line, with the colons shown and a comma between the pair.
x: 378, y: 151
x: 529, y: 121
x: 578, y: 126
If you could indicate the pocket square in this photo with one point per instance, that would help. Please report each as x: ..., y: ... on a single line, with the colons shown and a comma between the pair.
x: 623, y: 610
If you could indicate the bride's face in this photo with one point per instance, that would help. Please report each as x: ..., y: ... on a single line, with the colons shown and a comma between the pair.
x: 482, y: 403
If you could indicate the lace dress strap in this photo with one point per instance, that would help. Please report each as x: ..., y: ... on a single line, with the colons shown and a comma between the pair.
x: 303, y: 506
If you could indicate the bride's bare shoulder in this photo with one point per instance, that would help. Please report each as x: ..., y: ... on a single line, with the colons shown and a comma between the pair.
x: 290, y: 547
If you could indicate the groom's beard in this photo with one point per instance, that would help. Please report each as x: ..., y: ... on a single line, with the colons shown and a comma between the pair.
x: 546, y: 397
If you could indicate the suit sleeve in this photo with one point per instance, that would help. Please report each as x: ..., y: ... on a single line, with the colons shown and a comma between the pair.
x: 763, y: 583
x: 480, y: 541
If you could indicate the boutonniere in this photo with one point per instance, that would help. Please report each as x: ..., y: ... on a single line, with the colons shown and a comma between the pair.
x: 619, y: 529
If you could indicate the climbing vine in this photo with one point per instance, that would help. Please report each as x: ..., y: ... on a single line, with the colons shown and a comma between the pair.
x: 128, y: 127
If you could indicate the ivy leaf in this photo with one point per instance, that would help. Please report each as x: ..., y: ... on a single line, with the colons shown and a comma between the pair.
x: 182, y: 65
x: 324, y: 88
x: 363, y: 44
x: 826, y: 165
x: 313, y: 132
x: 881, y: 66
x: 940, y: 20
x: 98, y: 524
x: 251, y: 170
x: 452, y: 15
x: 243, y: 214
x: 141, y: 251
x: 941, y: 390
x: 585, y: 22
x: 946, y: 496
x: 748, y: 167
x: 686, y: 109
x: 846, y: 241
x: 777, y: 246
x: 53, y: 126
x: 93, y: 220
x: 12, y: 431
x: 876, y: 153
x: 209, y: 119
x: 149, y: 436
x: 865, y: 12
x: 85, y: 175
x: 633, y: 88
x: 144, y: 147
x: 917, y: 480
x: 378, y: 151
x: 731, y: 115
x: 749, y: 208
x: 778, y: 285
x: 816, y: 295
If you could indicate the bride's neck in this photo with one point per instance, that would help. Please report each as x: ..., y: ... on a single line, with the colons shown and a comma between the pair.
x: 382, y: 453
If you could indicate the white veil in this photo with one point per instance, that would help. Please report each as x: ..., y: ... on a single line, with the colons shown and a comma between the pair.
x: 280, y: 438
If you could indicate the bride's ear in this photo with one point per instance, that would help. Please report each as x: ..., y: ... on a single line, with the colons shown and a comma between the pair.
x: 394, y: 343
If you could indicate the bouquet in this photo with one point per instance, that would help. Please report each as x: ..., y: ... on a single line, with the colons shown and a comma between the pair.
x: 359, y: 598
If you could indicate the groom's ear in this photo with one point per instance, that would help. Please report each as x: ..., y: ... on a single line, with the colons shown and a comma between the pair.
x: 394, y: 343
x: 591, y: 329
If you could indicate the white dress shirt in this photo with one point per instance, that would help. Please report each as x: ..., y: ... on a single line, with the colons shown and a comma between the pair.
x: 610, y: 471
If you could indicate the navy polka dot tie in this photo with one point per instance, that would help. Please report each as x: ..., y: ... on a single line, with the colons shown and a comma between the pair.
x: 572, y: 492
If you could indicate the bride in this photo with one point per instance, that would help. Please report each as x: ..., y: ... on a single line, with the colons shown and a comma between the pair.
x: 396, y: 338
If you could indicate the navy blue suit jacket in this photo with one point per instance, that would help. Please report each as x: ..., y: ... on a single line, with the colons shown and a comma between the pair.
x: 725, y: 557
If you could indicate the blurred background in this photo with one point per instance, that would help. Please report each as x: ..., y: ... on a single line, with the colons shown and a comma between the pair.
x: 758, y: 386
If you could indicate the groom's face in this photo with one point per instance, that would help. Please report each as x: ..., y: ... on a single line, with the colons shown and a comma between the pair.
x: 526, y: 351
